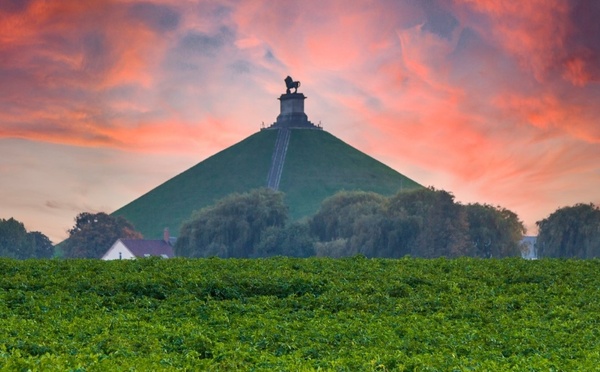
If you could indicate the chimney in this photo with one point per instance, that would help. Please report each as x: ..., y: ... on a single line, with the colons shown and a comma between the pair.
x: 166, y: 235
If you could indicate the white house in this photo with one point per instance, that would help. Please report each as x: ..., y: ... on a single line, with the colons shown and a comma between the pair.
x: 127, y: 249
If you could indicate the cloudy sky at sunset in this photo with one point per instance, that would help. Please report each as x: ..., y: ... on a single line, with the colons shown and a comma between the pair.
x: 102, y: 100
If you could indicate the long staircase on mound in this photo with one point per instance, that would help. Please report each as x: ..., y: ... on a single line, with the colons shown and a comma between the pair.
x: 291, y: 116
x: 278, y: 159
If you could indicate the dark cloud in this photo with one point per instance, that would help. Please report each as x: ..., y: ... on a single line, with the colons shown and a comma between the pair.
x: 241, y: 67
x: 200, y: 43
x: 217, y: 11
x: 97, y: 52
x: 468, y: 40
x: 160, y: 18
x: 584, y: 39
x: 585, y: 17
x: 439, y: 20
x: 269, y: 56
x: 71, y: 206
x: 14, y: 81
x: 59, y: 42
x: 14, y: 6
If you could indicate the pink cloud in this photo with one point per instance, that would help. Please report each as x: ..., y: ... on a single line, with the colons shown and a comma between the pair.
x: 547, y: 37
x: 492, y: 100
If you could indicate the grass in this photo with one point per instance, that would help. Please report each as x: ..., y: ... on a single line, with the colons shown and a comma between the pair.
x: 239, y: 168
x: 319, y: 164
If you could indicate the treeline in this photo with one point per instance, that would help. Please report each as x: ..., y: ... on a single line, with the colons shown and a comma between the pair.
x: 420, y: 223
x: 17, y: 242
x: 91, y: 236
x: 570, y: 232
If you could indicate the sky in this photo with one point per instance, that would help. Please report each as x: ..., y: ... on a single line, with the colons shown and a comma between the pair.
x: 103, y: 100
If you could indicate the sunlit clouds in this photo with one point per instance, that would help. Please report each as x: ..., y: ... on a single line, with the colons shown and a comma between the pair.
x: 100, y: 101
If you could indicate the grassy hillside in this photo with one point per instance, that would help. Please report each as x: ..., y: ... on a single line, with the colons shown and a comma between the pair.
x: 317, y: 166
x: 239, y: 168
x: 284, y: 314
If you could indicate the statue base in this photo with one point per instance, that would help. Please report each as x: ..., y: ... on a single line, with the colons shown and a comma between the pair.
x: 292, y: 113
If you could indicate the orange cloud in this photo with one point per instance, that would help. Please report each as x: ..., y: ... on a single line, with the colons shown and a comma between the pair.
x: 553, y: 115
x: 62, y: 63
x: 545, y: 36
x: 494, y: 101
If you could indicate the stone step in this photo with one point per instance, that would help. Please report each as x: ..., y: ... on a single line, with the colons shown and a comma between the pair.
x: 278, y: 158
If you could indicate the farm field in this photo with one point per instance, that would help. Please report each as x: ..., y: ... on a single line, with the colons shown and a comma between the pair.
x: 300, y: 314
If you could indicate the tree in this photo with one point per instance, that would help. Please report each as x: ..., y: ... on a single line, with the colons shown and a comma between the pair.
x: 353, y: 218
x: 232, y: 227
x: 13, y: 239
x: 94, y: 233
x: 494, y: 231
x: 16, y: 242
x: 427, y: 223
x: 420, y: 223
x: 293, y: 240
x: 41, y: 246
x: 570, y: 232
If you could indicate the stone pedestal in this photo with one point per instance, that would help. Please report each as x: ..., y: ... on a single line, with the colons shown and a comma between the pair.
x: 292, y: 113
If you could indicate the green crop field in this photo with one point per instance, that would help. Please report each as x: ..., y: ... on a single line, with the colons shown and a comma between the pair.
x: 300, y: 314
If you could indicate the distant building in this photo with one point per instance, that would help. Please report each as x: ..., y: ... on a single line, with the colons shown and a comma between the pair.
x: 529, y: 250
x: 130, y: 249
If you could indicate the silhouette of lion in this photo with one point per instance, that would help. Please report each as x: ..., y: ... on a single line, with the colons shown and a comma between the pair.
x: 290, y: 83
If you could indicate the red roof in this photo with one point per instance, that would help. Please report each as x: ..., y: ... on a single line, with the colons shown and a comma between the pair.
x: 144, y: 248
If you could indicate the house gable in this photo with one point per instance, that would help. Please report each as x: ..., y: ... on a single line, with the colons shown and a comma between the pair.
x: 118, y: 251
x: 127, y: 249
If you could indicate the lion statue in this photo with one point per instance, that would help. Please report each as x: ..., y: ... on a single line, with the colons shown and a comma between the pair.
x: 290, y: 83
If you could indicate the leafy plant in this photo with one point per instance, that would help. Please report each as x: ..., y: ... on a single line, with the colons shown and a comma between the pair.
x: 299, y: 314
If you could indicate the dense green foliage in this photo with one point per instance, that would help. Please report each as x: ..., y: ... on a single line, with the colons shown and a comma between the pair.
x: 428, y: 223
x: 16, y: 242
x: 570, y: 232
x: 421, y: 223
x: 342, y: 215
x: 293, y: 240
x: 494, y: 231
x: 94, y: 233
x: 300, y: 314
x: 317, y: 165
x: 233, y: 226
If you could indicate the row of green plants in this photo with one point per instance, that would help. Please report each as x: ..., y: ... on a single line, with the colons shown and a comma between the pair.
x: 300, y: 314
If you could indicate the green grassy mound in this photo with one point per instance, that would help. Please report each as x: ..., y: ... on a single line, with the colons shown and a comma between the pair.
x: 300, y: 314
x: 317, y: 166
x: 239, y: 168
